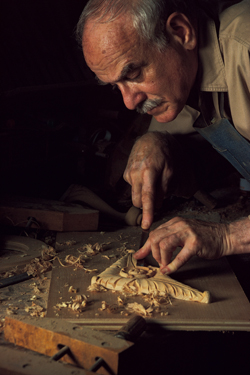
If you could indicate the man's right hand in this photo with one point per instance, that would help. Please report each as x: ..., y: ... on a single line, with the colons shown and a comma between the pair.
x: 148, y: 171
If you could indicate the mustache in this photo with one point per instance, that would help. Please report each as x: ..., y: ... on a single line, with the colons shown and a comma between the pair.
x: 148, y: 105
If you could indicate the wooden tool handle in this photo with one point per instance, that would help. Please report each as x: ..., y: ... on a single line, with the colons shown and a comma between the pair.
x: 132, y: 329
x: 79, y: 193
x: 206, y: 199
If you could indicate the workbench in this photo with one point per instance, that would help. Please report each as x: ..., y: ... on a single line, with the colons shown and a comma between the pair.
x: 192, y: 338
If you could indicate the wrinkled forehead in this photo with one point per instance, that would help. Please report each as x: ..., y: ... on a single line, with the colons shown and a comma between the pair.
x: 101, y: 39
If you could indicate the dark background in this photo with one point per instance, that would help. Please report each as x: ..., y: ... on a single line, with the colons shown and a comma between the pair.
x: 57, y: 126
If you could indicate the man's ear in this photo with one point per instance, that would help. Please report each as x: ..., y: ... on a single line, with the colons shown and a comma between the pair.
x: 182, y: 30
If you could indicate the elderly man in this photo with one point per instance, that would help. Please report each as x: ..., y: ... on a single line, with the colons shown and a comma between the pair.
x: 184, y: 66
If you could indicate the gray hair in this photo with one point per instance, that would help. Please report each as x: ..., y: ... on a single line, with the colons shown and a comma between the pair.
x: 148, y: 16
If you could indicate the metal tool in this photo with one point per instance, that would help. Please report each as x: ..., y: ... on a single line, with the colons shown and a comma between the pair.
x: 144, y: 237
x: 149, y: 259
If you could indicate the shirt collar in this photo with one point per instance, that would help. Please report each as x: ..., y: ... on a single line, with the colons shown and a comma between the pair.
x: 211, y: 67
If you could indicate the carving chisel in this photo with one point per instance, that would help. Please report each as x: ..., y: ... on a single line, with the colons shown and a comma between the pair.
x: 149, y: 260
x: 144, y: 237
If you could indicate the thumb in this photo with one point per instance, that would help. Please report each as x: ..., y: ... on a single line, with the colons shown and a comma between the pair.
x: 143, y: 252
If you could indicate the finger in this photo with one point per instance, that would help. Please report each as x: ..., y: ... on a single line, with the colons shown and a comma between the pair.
x: 126, y: 175
x: 143, y: 252
x: 147, y: 215
x: 167, y: 245
x: 184, y: 255
x: 148, y: 198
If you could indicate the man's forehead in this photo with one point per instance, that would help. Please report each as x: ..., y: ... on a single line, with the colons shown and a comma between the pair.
x: 108, y: 33
x: 109, y: 44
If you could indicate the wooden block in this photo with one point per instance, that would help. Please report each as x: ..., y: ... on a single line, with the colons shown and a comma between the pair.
x: 49, y: 214
x: 47, y: 336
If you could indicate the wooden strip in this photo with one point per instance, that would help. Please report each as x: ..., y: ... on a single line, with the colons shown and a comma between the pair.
x: 50, y: 215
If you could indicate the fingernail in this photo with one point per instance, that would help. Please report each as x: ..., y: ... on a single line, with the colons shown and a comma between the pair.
x: 164, y: 271
x: 144, y: 225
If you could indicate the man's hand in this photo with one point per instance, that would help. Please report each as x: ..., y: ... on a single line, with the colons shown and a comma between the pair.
x: 148, y: 171
x: 204, y: 239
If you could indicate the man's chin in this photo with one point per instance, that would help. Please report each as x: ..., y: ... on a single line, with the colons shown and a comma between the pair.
x: 166, y: 116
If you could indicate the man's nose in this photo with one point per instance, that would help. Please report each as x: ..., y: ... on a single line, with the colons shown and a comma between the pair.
x: 132, y: 96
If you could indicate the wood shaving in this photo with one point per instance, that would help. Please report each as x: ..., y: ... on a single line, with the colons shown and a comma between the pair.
x: 37, y: 267
x: 72, y: 290
x: 71, y: 260
x: 157, y: 298
x: 110, y: 308
x: 11, y: 310
x: 9, y: 273
x: 96, y: 288
x: 62, y: 304
x: 124, y: 313
x: 104, y: 306
x: 165, y: 313
x: 107, y: 257
x: 48, y: 253
x: 78, y: 304
x: 36, y: 290
x: 74, y: 261
x: 33, y: 298
x: 70, y: 242
x: 121, y: 301
x: 138, y: 308
x: 35, y: 310
x: 60, y: 245
x: 87, y: 270
x: 91, y: 250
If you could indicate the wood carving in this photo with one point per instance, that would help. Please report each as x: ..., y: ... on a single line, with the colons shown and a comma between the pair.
x: 125, y: 274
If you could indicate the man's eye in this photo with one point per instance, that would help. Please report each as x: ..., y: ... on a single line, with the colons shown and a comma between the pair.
x: 135, y: 74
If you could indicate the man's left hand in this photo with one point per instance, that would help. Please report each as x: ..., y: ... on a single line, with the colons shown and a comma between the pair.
x: 205, y: 239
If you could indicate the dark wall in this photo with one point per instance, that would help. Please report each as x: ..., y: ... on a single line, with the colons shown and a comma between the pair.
x: 51, y: 106
x: 38, y: 46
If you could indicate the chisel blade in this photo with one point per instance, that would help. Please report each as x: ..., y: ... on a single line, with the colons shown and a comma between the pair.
x: 144, y: 237
x: 149, y: 259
